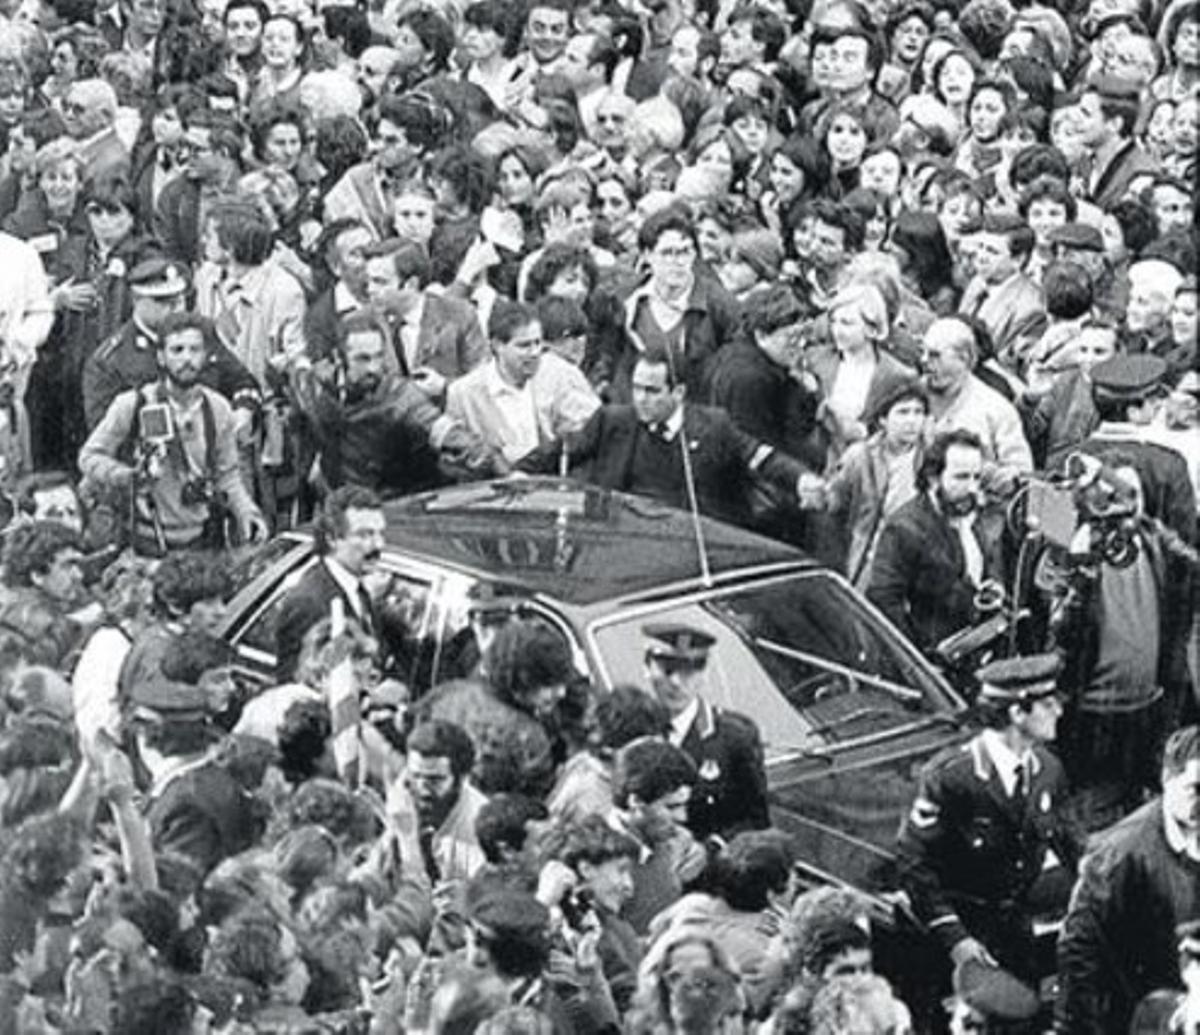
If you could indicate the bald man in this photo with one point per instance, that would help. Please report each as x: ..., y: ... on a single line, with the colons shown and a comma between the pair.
x: 90, y: 114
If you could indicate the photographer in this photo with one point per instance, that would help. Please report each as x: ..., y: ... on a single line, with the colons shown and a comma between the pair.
x: 1121, y: 615
x: 172, y: 446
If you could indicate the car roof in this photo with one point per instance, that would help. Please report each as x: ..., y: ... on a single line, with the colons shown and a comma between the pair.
x: 573, y: 542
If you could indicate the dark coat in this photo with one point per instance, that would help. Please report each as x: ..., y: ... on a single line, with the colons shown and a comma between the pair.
x: 766, y: 401
x: 302, y: 608
x: 969, y: 853
x: 709, y: 323
x: 918, y: 578
x: 129, y: 360
x: 1166, y: 484
x: 730, y: 794
x: 1118, y: 940
x: 1126, y: 165
x: 722, y: 458
x: 204, y: 814
x: 177, y: 220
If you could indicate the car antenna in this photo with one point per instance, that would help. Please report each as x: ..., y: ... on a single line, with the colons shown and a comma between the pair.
x: 689, y: 481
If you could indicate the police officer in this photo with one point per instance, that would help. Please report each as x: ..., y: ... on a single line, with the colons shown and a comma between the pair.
x: 129, y: 359
x: 986, y: 814
x: 1128, y: 391
x: 731, y: 792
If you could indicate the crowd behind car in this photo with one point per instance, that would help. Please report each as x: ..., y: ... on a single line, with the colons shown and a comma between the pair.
x: 864, y: 277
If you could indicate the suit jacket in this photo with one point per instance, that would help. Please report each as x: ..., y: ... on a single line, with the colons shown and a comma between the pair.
x: 969, y: 851
x: 918, y: 578
x: 1014, y: 313
x: 562, y: 399
x: 723, y: 458
x: 204, y: 814
x: 449, y: 339
x: 177, y: 220
x: 303, y: 607
x: 1113, y: 180
x: 357, y: 195
x: 731, y: 792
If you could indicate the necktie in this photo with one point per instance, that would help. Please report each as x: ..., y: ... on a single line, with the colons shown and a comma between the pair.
x: 980, y: 299
x: 427, y: 855
x: 366, y: 609
x: 1021, y: 786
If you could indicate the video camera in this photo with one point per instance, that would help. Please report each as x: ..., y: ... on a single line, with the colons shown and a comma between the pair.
x: 1087, y: 511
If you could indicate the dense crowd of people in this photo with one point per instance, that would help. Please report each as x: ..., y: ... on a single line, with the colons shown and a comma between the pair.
x: 909, y: 284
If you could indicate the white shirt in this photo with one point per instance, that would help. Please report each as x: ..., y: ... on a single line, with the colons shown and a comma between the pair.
x: 351, y: 586
x: 972, y: 554
x: 1006, y: 761
x: 517, y: 407
x: 681, y: 723
x: 410, y: 334
x: 95, y: 683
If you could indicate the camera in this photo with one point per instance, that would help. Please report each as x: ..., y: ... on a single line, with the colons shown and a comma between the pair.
x: 1088, y: 500
x: 196, y: 492
x: 577, y: 906
x: 155, y: 426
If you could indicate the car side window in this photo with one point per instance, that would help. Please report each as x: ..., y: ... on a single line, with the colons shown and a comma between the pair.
x: 259, y: 634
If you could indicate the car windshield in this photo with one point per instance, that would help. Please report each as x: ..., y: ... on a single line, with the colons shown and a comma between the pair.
x: 798, y: 653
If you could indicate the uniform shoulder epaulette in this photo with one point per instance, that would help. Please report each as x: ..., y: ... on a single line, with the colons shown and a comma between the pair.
x: 109, y: 346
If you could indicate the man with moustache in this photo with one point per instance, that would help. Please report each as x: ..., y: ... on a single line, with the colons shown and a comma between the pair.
x: 934, y: 554
x: 350, y: 541
x: 173, y: 446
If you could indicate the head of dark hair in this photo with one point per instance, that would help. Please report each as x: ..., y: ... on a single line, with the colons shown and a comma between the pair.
x: 434, y: 32
x: 507, y: 318
x: 1048, y: 188
x: 243, y: 230
x: 188, y: 656
x: 933, y: 463
x: 628, y: 713
x: 31, y: 550
x: 1014, y: 229
x: 673, y: 218
x: 1138, y: 222
x: 524, y: 657
x: 1037, y: 160
x: 303, y: 738
x: 561, y: 318
x: 186, y: 577
x: 502, y: 825
x: 332, y: 523
x: 409, y: 259
x: 650, y: 769
x: 556, y: 258
x: 467, y: 172
x: 350, y: 25
x: 1068, y: 289
x: 437, y: 739
x: 341, y: 143
x: 752, y: 866
x: 926, y: 252
x: 842, y: 217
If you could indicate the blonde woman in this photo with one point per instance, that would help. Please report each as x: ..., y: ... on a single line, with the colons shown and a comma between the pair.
x: 855, y: 361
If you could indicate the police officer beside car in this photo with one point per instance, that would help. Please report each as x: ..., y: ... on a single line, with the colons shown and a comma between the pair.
x: 987, y: 814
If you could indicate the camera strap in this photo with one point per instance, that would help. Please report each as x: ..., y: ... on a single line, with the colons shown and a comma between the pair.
x: 175, y: 448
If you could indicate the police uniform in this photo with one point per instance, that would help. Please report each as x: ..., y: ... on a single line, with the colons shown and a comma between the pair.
x: 731, y: 789
x: 971, y: 849
x: 129, y: 358
x: 1166, y: 482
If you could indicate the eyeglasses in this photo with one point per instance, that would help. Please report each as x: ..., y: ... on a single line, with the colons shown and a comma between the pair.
x: 684, y: 253
x: 96, y: 208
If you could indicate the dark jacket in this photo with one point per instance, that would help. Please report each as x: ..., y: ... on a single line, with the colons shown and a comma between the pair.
x: 129, y: 359
x: 1126, y: 165
x: 1061, y: 420
x: 709, y: 323
x: 730, y: 794
x: 204, y: 814
x: 1166, y: 484
x: 394, y: 441
x: 302, y: 608
x: 766, y: 401
x: 723, y: 458
x: 1118, y: 940
x: 177, y: 220
x: 969, y: 853
x: 919, y: 578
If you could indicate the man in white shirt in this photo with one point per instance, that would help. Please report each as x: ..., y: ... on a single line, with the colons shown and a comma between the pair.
x: 26, y: 317
x: 524, y: 397
x: 960, y: 401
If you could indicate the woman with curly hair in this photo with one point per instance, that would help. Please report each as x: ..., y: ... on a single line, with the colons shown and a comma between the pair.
x: 75, y: 53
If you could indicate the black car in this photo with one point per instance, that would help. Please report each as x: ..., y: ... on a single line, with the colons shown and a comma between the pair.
x: 848, y: 709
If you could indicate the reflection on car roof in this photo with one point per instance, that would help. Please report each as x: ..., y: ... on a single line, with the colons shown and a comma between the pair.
x: 577, y: 543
